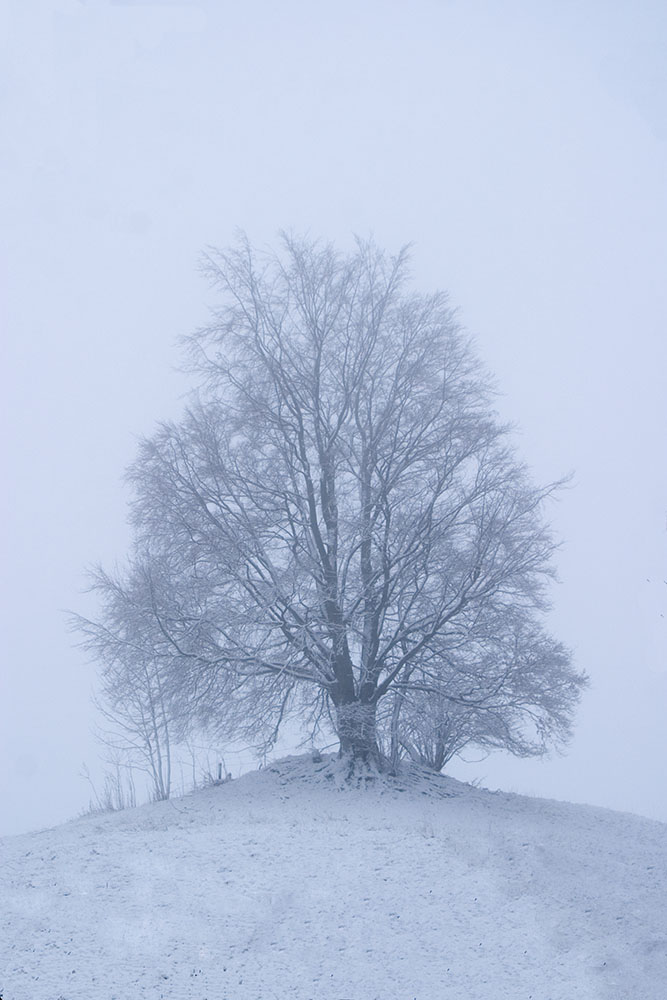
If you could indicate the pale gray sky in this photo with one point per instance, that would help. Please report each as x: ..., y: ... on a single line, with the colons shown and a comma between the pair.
x: 522, y: 147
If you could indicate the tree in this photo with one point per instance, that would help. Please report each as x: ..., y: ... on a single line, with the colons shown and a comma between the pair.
x: 339, y: 517
x: 529, y: 711
x: 134, y: 700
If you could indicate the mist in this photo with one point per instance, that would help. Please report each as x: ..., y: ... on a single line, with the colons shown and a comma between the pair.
x: 521, y: 149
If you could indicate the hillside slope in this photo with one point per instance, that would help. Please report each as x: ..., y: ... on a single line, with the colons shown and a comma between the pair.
x: 285, y: 885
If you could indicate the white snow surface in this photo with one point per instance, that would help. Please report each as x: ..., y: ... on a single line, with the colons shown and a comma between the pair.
x: 288, y: 883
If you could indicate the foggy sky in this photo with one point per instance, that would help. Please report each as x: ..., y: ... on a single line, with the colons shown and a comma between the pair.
x: 522, y: 149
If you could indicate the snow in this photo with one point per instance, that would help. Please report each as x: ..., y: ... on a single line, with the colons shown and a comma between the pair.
x: 288, y: 884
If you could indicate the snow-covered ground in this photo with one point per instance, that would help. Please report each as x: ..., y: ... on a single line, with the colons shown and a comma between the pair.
x: 285, y: 884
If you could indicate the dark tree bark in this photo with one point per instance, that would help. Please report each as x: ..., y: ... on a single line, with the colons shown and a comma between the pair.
x: 356, y: 730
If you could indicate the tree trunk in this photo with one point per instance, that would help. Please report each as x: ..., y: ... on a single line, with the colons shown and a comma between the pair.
x: 395, y: 745
x: 355, y: 725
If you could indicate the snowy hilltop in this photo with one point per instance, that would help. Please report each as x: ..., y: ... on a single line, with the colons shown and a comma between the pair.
x: 291, y: 883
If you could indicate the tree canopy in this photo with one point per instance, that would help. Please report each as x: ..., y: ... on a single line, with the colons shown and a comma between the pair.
x: 339, y: 523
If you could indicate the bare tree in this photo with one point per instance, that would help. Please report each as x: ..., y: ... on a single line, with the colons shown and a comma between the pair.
x: 339, y: 515
x: 526, y: 711
x: 134, y: 699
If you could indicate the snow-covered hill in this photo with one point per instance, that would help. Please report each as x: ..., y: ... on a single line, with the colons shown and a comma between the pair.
x: 284, y: 884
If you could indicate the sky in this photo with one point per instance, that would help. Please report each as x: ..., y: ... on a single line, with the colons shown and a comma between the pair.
x: 520, y: 147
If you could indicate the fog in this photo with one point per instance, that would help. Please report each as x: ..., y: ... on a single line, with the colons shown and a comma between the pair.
x: 521, y: 148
